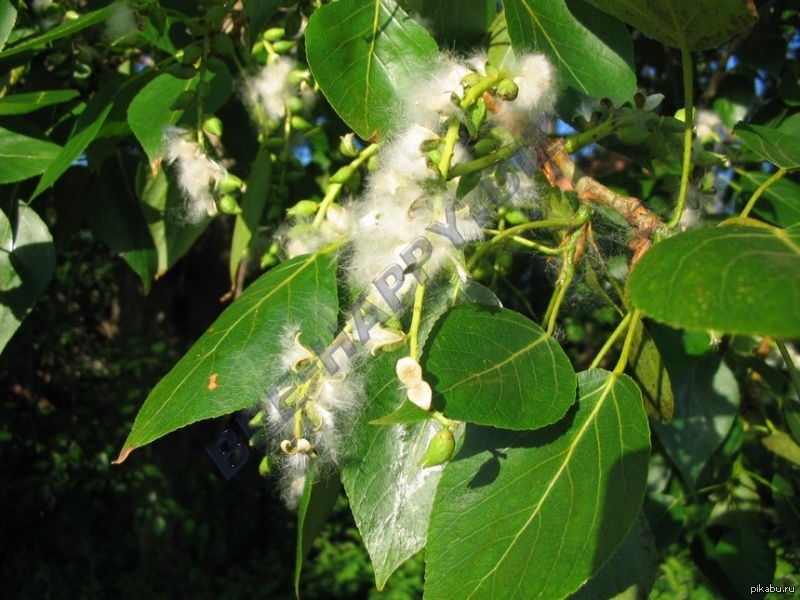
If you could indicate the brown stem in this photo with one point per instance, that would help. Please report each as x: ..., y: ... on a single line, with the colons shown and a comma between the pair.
x: 643, y: 222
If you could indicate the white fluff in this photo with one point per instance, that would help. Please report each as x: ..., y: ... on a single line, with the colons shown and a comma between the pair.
x: 197, y: 175
x: 429, y: 102
x: 535, y: 78
x: 272, y: 88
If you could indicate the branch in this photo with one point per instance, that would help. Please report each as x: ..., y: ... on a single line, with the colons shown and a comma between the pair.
x: 643, y: 222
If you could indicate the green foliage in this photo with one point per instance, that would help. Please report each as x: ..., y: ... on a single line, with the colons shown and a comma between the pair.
x: 729, y: 279
x: 364, y: 53
x: 435, y: 295
x: 224, y: 371
x: 592, y: 52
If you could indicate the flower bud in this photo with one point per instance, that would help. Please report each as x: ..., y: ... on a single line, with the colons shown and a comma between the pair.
x: 439, y: 450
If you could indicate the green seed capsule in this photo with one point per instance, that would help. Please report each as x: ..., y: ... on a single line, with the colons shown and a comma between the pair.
x: 304, y: 208
x: 273, y: 34
x: 213, y: 126
x: 507, y: 89
x: 300, y: 123
x: 228, y: 205
x: 471, y: 79
x: 283, y: 46
x: 439, y: 450
x: 632, y: 135
x: 269, y: 260
x: 516, y: 217
x: 229, y: 184
x: 485, y: 146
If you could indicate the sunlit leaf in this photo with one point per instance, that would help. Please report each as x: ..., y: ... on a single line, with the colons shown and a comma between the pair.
x: 496, y: 367
x: 591, y: 51
x: 783, y: 445
x: 8, y: 17
x: 233, y: 364
x: 541, y: 511
x: 20, y: 104
x: 651, y: 374
x: 363, y: 54
x: 390, y: 494
x: 27, y: 261
x: 781, y: 148
x: 22, y: 157
x: 67, y: 28
x: 733, y: 279
x: 780, y: 203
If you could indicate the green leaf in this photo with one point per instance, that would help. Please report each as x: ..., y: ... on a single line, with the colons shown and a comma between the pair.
x: 496, y: 367
x: 706, y: 402
x: 23, y: 157
x: 694, y: 24
x: 20, y: 104
x: 630, y: 572
x: 783, y: 445
x: 592, y: 52
x: 253, y: 202
x: 237, y: 359
x: 149, y: 114
x: 8, y: 17
x: 652, y: 375
x: 363, y: 54
x: 86, y: 129
x: 27, y: 261
x: 319, y: 497
x: 391, y: 496
x: 258, y: 13
x: 745, y: 557
x: 114, y: 215
x: 537, y: 513
x: 63, y: 30
x: 733, y: 279
x: 779, y: 147
x: 500, y: 51
x: 163, y: 206
x: 780, y: 203
x: 408, y: 412
x: 458, y: 22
